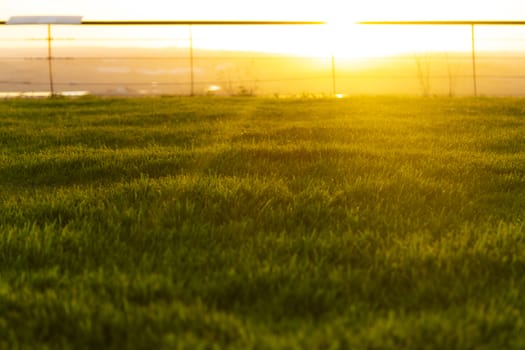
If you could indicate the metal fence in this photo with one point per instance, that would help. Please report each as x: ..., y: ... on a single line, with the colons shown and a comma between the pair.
x: 194, y: 60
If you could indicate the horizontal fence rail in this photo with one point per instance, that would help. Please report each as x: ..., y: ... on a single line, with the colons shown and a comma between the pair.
x: 182, y: 65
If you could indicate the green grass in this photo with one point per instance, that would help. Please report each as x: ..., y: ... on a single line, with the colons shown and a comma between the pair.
x: 363, y: 223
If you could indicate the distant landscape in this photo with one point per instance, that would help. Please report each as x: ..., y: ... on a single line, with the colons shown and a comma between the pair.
x: 146, y: 71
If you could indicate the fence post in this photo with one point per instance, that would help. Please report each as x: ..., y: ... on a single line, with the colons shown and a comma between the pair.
x: 192, y: 87
x: 474, y: 74
x: 50, y: 61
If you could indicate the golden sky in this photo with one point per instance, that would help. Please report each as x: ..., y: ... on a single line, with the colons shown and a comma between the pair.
x: 271, y: 9
x: 340, y: 36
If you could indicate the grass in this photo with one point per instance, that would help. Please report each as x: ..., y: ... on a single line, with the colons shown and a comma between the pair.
x: 363, y: 223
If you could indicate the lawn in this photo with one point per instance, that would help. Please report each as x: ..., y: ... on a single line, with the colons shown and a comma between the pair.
x: 253, y: 223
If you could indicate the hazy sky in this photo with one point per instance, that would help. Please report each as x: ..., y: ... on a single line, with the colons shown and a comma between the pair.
x: 271, y: 9
x: 339, y: 37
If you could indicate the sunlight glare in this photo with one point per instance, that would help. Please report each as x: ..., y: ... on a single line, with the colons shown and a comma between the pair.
x: 341, y: 37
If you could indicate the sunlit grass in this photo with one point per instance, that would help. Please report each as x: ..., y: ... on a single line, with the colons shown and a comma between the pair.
x: 262, y: 223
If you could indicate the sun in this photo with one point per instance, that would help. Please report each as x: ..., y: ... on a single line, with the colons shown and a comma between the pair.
x: 349, y: 38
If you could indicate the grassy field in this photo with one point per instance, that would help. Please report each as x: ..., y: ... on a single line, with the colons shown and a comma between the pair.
x: 183, y: 223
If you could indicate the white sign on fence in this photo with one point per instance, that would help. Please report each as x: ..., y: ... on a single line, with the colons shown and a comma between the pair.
x: 45, y: 20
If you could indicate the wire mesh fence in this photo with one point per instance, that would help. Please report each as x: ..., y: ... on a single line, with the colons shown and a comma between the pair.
x: 306, y: 61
